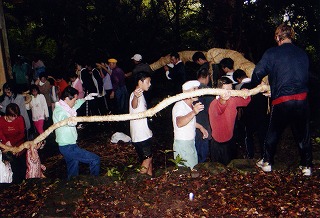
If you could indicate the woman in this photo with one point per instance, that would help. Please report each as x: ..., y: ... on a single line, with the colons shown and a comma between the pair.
x: 12, y: 133
x: 10, y: 96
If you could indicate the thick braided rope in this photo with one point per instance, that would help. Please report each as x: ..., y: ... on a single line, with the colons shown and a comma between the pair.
x: 149, y: 113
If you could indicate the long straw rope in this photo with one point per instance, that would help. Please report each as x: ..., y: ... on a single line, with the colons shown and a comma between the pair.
x: 149, y: 113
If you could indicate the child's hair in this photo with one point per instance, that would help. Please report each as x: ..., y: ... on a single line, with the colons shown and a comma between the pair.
x: 223, y: 80
x: 203, y: 73
x: 12, y: 110
x: 43, y: 74
x: 73, y: 75
x: 142, y: 75
x: 238, y: 74
x: 34, y: 87
x: 51, y: 81
x: 69, y: 92
x: 10, y: 85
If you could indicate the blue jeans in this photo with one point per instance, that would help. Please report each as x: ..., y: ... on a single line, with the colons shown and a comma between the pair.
x: 202, y: 146
x: 73, y: 155
x: 122, y: 100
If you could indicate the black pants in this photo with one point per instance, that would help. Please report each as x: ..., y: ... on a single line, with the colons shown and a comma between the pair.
x: 295, y: 113
x: 97, y: 106
x: 19, y: 167
x: 223, y: 152
x: 258, y: 125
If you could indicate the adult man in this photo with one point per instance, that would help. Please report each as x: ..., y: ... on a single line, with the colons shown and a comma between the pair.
x: 119, y: 92
x: 177, y: 74
x: 184, y: 125
x: 199, y: 58
x: 92, y: 83
x: 287, y: 68
x: 66, y: 136
x: 99, y: 103
x: 138, y: 66
x: 254, y: 116
x: 202, y: 144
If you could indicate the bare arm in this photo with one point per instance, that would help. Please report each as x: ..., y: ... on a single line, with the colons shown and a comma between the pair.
x: 184, y: 120
x: 137, y: 94
x: 105, y: 68
x: 203, y: 130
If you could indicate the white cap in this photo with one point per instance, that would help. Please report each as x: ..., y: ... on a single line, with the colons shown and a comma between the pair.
x: 190, y: 84
x: 137, y: 57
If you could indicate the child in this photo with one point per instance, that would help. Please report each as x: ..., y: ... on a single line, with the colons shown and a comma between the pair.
x: 5, y: 171
x: 140, y: 132
x: 34, y: 166
x: 222, y: 116
x: 54, y: 92
x: 39, y: 108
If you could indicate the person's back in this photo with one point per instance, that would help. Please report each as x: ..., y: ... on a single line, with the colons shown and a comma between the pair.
x: 20, y: 71
x: 88, y: 84
x: 287, y: 67
x: 202, y: 145
x: 141, y: 67
x: 288, y: 70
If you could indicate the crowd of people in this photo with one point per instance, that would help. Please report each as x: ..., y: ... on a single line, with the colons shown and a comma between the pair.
x: 206, y: 128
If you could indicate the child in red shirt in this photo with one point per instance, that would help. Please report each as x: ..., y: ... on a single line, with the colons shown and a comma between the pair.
x: 222, y: 116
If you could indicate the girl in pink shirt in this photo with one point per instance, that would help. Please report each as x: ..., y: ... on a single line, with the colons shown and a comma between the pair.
x: 34, y: 167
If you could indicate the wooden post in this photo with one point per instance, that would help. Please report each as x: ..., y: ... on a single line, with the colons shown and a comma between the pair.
x: 5, y: 63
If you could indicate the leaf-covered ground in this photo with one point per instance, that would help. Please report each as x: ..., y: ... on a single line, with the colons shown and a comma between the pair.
x: 239, y: 190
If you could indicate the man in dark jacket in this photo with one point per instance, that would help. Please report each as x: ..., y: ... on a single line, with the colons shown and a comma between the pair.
x: 287, y: 68
x: 177, y: 74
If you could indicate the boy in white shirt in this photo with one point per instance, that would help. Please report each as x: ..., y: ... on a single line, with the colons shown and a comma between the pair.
x: 139, y: 129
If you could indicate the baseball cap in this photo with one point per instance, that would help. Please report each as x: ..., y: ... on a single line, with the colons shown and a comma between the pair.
x: 190, y: 84
x: 112, y: 60
x: 137, y: 57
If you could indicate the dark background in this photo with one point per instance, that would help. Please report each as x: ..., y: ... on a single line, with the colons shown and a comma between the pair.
x: 61, y: 32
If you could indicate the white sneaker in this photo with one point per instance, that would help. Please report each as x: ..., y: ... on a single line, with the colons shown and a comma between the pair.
x: 260, y: 163
x: 306, y: 171
x: 265, y: 166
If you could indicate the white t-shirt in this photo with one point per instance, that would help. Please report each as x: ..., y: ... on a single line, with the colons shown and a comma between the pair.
x: 38, y: 107
x: 230, y: 76
x: 188, y: 131
x: 139, y: 129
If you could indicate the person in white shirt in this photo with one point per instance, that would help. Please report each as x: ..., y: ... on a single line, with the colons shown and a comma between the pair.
x: 140, y: 133
x: 39, y: 108
x: 184, y: 125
